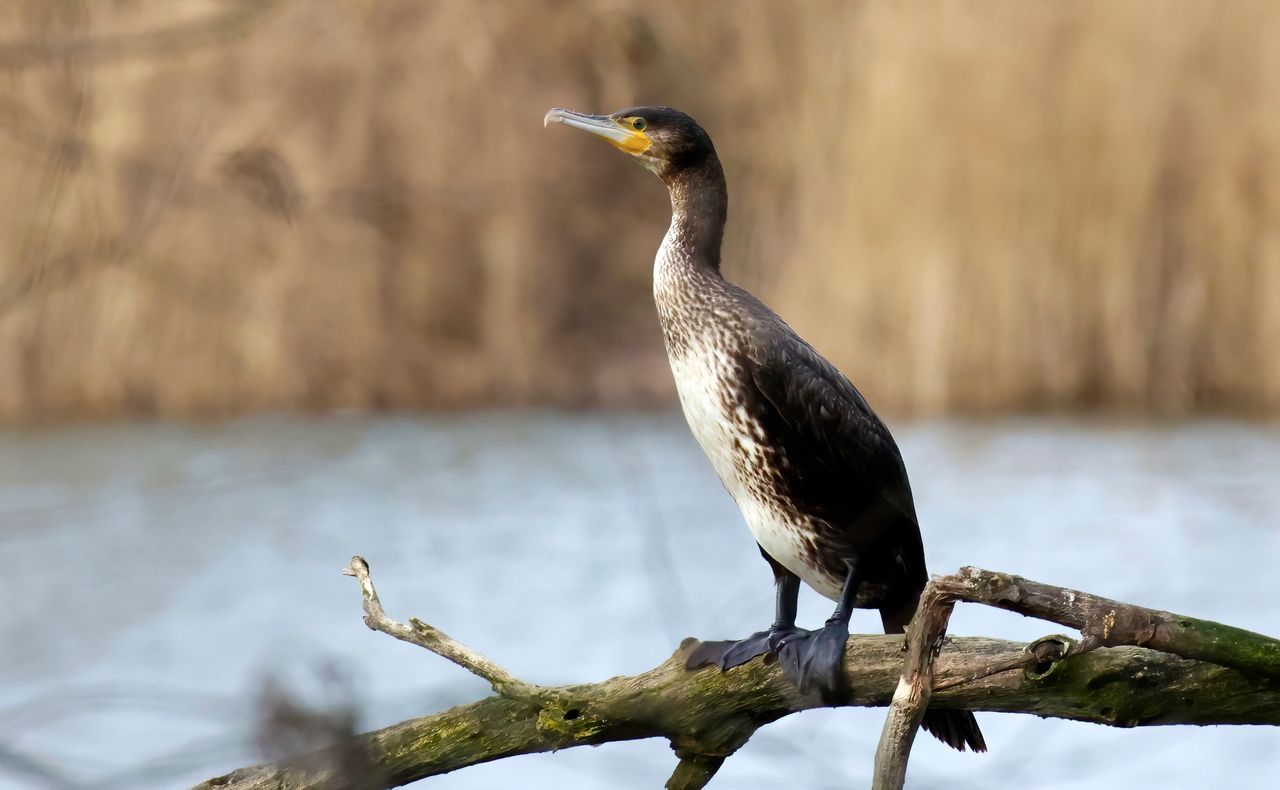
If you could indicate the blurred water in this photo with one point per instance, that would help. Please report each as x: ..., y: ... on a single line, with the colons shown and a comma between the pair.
x: 155, y: 574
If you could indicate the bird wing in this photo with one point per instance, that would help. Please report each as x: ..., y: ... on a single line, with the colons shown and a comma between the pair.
x: 830, y: 425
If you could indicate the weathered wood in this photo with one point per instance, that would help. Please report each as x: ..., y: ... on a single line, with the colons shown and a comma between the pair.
x: 712, y: 713
x: 915, y: 687
x: 1101, y: 622
x: 707, y: 715
x: 1108, y: 623
x: 694, y: 771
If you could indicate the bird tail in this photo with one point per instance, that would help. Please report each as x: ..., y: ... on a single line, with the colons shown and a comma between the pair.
x: 956, y: 728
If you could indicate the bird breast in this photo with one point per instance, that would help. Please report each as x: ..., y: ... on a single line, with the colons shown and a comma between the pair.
x: 705, y: 335
x: 710, y: 379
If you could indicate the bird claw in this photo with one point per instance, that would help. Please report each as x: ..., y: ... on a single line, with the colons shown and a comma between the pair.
x: 731, y: 653
x: 814, y: 661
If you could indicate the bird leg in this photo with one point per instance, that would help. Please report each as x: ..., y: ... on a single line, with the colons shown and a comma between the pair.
x: 729, y: 654
x: 814, y: 660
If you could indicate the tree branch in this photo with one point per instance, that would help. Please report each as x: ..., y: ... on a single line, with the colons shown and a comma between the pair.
x: 1101, y: 621
x: 694, y: 771
x: 915, y: 687
x: 419, y: 633
x: 1105, y: 622
x: 707, y: 715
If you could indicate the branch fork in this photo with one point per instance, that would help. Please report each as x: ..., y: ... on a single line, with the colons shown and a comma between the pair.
x: 694, y: 770
x: 1102, y: 622
x: 1207, y: 673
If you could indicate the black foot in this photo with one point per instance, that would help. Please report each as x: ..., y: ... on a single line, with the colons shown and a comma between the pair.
x: 727, y: 655
x: 814, y: 660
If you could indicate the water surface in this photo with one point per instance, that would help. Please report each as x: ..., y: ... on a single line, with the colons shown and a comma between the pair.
x: 155, y: 574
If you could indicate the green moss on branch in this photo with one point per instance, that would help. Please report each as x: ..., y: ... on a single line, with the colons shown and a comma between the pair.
x: 708, y: 715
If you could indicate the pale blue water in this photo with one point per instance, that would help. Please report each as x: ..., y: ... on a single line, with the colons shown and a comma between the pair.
x: 154, y: 574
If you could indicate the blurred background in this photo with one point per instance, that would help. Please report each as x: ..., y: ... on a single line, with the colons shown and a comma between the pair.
x: 282, y: 281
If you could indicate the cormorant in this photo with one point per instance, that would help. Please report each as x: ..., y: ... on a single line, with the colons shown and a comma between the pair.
x: 814, y: 471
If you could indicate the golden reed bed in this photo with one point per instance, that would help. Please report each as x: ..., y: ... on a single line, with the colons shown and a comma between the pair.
x: 215, y: 206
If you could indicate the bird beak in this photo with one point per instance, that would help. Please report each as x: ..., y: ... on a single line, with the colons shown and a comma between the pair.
x: 614, y: 132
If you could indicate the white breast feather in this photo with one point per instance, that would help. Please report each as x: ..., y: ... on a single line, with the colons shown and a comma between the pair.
x: 702, y: 368
x: 699, y: 375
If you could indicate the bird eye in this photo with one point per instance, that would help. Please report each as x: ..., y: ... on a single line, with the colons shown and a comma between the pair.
x: 638, y: 124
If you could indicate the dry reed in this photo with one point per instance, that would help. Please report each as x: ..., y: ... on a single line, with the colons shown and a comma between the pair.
x: 217, y: 206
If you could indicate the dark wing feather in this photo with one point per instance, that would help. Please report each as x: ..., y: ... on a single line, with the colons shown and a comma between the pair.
x: 823, y: 408
x: 846, y: 467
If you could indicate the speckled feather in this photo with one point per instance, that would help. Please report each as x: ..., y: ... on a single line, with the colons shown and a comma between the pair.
x: 815, y: 473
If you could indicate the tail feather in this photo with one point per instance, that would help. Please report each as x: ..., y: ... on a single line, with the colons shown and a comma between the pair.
x: 956, y: 728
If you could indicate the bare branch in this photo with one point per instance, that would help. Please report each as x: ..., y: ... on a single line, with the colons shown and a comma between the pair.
x: 915, y: 687
x: 1105, y: 622
x: 416, y: 632
x: 1101, y: 621
x: 694, y: 771
x: 707, y: 715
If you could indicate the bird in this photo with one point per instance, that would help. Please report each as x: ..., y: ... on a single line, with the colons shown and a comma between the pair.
x: 814, y: 471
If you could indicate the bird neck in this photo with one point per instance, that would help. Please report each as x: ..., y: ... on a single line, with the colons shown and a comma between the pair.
x: 699, y: 207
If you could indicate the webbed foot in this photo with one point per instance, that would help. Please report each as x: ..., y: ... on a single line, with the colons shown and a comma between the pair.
x: 731, y: 653
x: 814, y: 660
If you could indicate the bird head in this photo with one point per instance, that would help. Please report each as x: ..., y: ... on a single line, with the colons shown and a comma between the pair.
x: 664, y: 140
